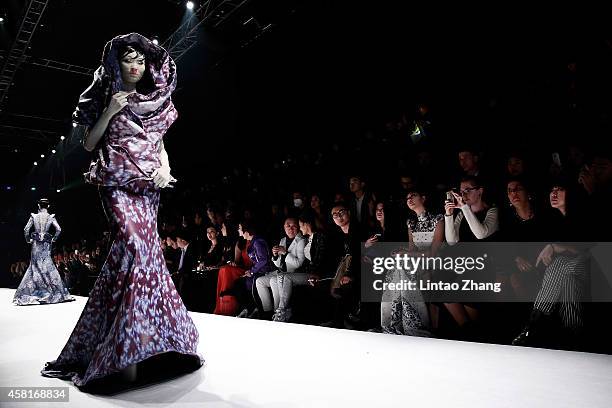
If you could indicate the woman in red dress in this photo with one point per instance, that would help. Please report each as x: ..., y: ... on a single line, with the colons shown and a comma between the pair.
x: 227, y: 304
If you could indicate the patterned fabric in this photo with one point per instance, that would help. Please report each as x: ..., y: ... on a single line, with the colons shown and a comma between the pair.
x: 134, y: 311
x: 41, y: 282
x: 422, y: 229
x: 134, y: 135
x: 406, y: 312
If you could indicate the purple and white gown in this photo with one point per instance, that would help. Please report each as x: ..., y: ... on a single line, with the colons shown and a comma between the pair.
x: 134, y: 311
x: 41, y: 283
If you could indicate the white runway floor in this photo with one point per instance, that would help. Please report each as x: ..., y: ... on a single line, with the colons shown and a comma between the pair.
x: 253, y: 363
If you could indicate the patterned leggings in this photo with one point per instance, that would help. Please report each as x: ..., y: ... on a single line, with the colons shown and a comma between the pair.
x: 564, y: 285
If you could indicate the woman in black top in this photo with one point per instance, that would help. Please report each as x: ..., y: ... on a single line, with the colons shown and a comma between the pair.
x: 565, y: 276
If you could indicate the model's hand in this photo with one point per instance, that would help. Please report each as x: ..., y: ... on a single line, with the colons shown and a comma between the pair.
x: 118, y: 101
x: 161, y: 177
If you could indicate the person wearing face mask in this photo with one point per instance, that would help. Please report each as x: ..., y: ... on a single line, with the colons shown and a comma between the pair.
x: 297, y: 204
x: 288, y: 256
x: 123, y: 116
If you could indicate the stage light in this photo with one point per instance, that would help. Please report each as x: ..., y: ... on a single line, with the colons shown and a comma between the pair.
x: 1, y: 19
x: 189, y: 5
x: 33, y: 189
x: 57, y: 191
x: 155, y: 41
x: 62, y: 138
x: 36, y: 163
x: 16, y: 150
x: 74, y: 124
x: 9, y: 188
x: 42, y: 156
x: 53, y: 151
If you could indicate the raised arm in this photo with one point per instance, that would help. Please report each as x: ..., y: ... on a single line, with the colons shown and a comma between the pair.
x: 93, y: 135
x: 481, y: 229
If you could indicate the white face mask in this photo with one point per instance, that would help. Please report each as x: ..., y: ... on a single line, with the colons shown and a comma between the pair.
x: 297, y: 202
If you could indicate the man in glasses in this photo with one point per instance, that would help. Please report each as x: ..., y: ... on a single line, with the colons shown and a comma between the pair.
x: 346, y: 286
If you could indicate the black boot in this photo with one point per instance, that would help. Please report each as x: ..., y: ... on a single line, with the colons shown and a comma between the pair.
x: 534, y: 332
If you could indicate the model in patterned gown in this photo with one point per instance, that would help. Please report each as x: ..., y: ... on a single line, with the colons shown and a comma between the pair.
x: 134, y: 311
x: 42, y: 282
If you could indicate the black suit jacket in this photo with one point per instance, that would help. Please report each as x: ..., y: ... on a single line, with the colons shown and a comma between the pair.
x: 189, y: 260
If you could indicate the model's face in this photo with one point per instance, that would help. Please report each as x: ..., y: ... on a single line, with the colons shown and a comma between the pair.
x: 211, y: 233
x: 240, y: 232
x: 291, y: 228
x: 132, y: 67
x: 517, y: 194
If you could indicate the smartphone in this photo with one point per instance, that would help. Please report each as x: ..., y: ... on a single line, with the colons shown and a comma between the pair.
x: 450, y: 198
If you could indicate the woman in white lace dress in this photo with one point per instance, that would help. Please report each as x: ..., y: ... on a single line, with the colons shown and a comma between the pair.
x: 405, y: 311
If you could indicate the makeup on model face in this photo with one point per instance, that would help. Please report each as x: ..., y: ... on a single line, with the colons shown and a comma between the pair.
x: 132, y: 66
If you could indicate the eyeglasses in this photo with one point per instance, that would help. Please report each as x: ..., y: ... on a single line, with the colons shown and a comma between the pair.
x: 468, y: 190
x: 338, y: 214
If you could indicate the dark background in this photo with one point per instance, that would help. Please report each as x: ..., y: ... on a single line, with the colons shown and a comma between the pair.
x: 326, y: 73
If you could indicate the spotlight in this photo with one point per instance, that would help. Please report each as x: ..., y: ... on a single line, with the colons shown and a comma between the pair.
x: 1, y: 19
x: 57, y: 191
x: 155, y: 40
x: 16, y: 150
x: 9, y: 188
x: 36, y: 163
x: 53, y: 151
x: 33, y: 189
x: 42, y: 156
x: 189, y: 5
x: 62, y: 138
x: 74, y: 124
